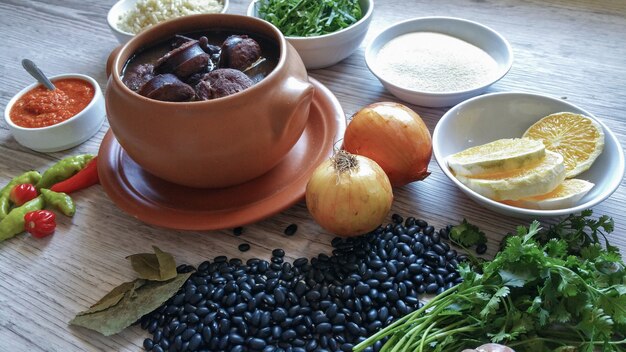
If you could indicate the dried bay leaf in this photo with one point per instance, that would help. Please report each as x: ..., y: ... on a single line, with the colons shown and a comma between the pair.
x: 115, y: 296
x: 157, y: 266
x: 135, y: 303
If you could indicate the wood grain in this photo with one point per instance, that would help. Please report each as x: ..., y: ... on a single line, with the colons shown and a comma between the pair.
x: 574, y: 49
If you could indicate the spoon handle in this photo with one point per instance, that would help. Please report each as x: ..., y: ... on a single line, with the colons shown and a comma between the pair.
x: 34, y: 71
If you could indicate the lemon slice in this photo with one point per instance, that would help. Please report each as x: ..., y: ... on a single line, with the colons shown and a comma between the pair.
x: 577, y: 137
x: 521, y: 183
x: 565, y: 195
x: 497, y: 156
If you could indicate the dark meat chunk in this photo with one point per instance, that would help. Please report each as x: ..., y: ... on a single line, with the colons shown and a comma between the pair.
x: 239, y: 52
x: 210, y: 49
x: 138, y: 75
x: 222, y: 82
x: 183, y: 61
x: 167, y: 87
x: 194, y: 79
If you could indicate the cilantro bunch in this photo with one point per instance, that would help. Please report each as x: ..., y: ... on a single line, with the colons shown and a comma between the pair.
x: 542, y: 292
x: 306, y: 18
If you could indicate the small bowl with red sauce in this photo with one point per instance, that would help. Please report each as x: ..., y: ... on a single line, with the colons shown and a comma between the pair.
x: 50, y: 121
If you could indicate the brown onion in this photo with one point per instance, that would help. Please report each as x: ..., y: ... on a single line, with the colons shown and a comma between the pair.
x: 395, y: 137
x: 349, y: 195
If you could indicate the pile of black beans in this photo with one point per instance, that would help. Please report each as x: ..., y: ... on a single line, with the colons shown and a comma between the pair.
x: 329, y: 303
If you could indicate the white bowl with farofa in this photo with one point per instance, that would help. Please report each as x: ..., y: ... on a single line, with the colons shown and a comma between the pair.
x: 128, y: 17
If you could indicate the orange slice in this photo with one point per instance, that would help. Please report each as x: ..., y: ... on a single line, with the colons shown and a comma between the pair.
x: 566, y: 195
x: 577, y: 137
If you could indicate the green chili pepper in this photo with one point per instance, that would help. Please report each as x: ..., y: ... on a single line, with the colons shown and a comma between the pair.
x: 62, y: 170
x: 31, y: 177
x: 13, y: 223
x: 60, y: 201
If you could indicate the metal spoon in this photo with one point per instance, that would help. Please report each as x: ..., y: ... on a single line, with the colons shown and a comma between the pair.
x: 34, y: 71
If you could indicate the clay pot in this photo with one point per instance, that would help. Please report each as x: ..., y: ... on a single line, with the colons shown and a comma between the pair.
x: 216, y: 143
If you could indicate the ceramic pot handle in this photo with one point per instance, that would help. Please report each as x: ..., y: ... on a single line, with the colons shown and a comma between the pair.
x: 297, y: 95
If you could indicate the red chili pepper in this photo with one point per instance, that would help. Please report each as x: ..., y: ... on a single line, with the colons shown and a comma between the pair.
x: 40, y: 223
x: 21, y: 194
x: 86, y: 177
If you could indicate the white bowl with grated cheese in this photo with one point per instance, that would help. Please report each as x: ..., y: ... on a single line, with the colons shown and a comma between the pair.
x: 438, y: 61
x: 128, y: 17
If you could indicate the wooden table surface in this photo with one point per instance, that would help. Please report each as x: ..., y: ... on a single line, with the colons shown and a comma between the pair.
x: 574, y: 49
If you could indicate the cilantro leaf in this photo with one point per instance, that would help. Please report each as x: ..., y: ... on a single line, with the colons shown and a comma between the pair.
x: 467, y: 235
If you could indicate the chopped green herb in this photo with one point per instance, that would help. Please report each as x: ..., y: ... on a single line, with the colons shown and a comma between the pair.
x: 467, y: 235
x: 306, y: 18
x: 545, y: 291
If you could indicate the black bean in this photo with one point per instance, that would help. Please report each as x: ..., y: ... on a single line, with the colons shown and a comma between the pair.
x: 432, y: 288
x: 178, y: 342
x: 256, y: 343
x: 300, y: 262
x: 481, y: 248
x: 235, y: 339
x: 412, y: 300
x: 148, y: 344
x: 206, y: 333
x: 244, y: 247
x: 323, y: 328
x: 381, y: 275
x: 195, y: 342
x: 367, y: 283
x: 313, y: 296
x: 291, y: 230
x: 311, y: 345
x: 237, y: 231
x: 451, y: 277
x: 421, y: 223
x: 223, y: 342
x: 278, y: 252
x: 374, y: 326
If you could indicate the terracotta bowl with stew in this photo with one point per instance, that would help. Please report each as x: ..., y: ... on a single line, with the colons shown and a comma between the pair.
x: 52, y: 121
x: 213, y: 143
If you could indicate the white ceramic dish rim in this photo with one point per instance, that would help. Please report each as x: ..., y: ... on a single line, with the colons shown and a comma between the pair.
x: 251, y: 12
x: 369, y: 56
x: 112, y: 16
x: 94, y: 84
x: 610, y: 188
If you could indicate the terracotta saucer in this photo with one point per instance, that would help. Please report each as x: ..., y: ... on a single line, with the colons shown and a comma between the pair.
x: 165, y: 204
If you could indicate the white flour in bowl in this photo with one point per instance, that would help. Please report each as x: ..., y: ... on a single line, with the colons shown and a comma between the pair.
x: 434, y: 62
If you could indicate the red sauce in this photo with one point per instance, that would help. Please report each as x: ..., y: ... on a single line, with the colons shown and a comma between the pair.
x: 41, y: 107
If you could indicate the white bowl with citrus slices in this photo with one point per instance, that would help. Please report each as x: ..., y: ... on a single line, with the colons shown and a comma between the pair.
x: 528, y: 155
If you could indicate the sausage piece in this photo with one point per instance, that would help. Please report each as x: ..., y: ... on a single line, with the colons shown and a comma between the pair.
x: 167, y: 87
x: 239, y: 52
x: 183, y: 61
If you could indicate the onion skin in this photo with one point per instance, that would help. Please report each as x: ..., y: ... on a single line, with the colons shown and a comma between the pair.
x: 395, y: 137
x: 352, y: 202
x: 491, y: 347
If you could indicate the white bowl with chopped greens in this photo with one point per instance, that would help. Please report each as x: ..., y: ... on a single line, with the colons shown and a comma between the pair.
x: 128, y: 17
x: 327, y: 34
